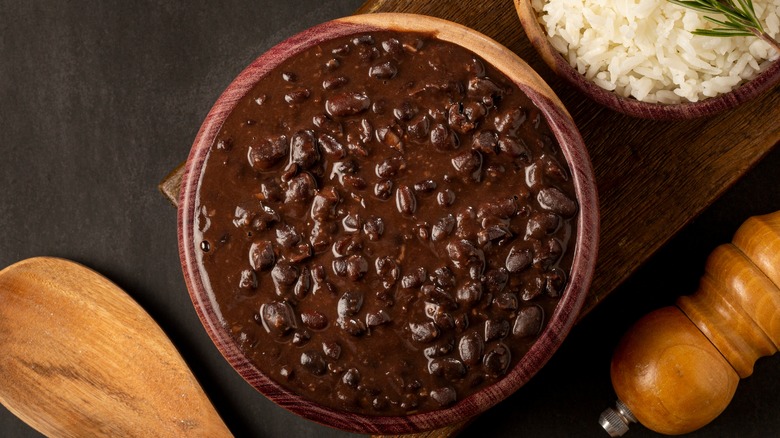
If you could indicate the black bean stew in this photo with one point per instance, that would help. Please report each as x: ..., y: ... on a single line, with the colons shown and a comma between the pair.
x: 386, y: 223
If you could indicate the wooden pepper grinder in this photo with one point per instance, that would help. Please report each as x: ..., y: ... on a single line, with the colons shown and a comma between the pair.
x: 678, y: 367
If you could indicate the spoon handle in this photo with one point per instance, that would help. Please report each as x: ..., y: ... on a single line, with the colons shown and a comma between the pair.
x: 82, y: 358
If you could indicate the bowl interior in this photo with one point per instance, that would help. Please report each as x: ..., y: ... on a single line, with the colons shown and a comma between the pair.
x: 586, y: 243
x: 706, y: 107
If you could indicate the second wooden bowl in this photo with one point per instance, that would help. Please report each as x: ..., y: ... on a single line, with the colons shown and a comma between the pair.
x: 628, y: 105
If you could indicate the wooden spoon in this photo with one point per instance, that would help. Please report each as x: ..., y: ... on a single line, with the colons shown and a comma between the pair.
x: 81, y: 358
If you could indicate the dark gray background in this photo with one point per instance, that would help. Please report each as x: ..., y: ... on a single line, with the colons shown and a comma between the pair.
x: 100, y: 99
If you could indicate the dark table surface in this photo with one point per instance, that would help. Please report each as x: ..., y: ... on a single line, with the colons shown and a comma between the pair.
x: 100, y: 99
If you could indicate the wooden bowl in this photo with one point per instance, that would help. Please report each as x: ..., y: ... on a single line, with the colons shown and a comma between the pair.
x: 628, y: 105
x: 573, y: 149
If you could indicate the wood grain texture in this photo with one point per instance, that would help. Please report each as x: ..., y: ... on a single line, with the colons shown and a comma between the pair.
x: 81, y: 358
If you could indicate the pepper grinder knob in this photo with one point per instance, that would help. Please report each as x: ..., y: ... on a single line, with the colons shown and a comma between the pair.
x: 678, y: 367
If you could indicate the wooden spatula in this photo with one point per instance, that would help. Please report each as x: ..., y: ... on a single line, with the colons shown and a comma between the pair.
x: 79, y: 357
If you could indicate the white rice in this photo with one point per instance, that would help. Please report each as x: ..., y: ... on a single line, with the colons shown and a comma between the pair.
x: 645, y: 48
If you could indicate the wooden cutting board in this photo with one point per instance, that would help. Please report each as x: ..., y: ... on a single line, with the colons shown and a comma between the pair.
x: 653, y: 177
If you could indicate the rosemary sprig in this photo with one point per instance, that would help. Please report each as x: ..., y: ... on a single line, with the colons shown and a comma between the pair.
x: 740, y: 19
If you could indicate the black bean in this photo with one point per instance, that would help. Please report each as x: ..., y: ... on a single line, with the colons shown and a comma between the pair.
x: 502, y: 208
x: 443, y: 228
x: 515, y: 148
x: 261, y: 255
x: 284, y: 276
x: 303, y: 285
x: 518, y: 259
x: 528, y: 322
x: 496, y: 329
x: 387, y: 270
x: 494, y: 233
x: 444, y: 396
x: 385, y: 70
x: 323, y: 206
x: 425, y: 186
x: 552, y: 199
x: 414, y: 279
x: 350, y: 303
x: 352, y: 326
x: 277, y: 318
x: 390, y: 136
x: 468, y: 164
x: 332, y: 349
x: 469, y: 293
x: 377, y: 318
x: 383, y: 189
x: 555, y: 280
x: 424, y: 332
x: 510, y: 121
x: 248, y: 279
x: 392, y: 46
x: 314, y: 319
x: 471, y: 347
x: 439, y: 296
x: 363, y: 40
x: 351, y: 377
x: 464, y: 254
x: 332, y: 147
x: 332, y: 64
x: 341, y: 50
x: 442, y: 138
x: 297, y: 95
x: 268, y: 152
x: 405, y: 111
x: 474, y: 111
x: 300, y: 338
x: 419, y: 127
x: 541, y: 224
x: 448, y: 368
x: 333, y: 83
x: 458, y: 121
x: 485, y: 142
x: 390, y: 167
x: 442, y: 347
x: 405, y: 200
x: 313, y: 362
x: 443, y: 277
x: 289, y: 76
x: 445, y: 198
x: 374, y: 227
x: 547, y: 252
x: 357, y: 266
x: 476, y: 67
x: 496, y: 361
x: 347, y: 104
x: 506, y: 301
x: 301, y: 188
x: 303, y: 149
x: 532, y: 288
x: 351, y: 222
x: 339, y: 266
x: 496, y: 279
x: 483, y: 87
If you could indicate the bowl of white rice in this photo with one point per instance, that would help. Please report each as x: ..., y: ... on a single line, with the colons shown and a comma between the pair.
x: 640, y: 57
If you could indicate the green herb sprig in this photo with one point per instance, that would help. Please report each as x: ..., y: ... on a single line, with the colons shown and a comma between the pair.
x: 740, y: 19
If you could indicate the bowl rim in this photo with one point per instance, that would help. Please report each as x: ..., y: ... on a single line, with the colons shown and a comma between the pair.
x: 753, y: 88
x: 566, y: 311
